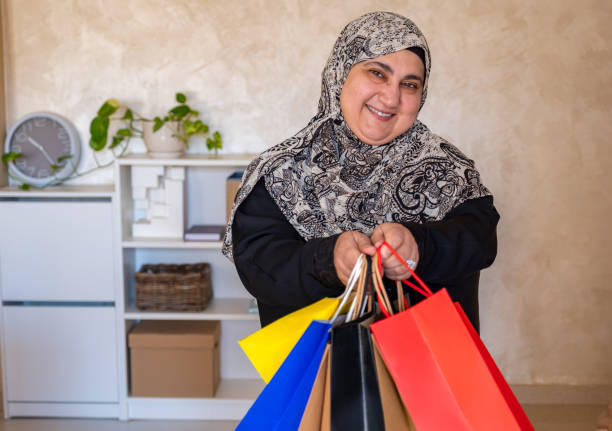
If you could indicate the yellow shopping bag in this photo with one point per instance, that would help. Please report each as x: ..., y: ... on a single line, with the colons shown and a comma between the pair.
x: 268, y: 347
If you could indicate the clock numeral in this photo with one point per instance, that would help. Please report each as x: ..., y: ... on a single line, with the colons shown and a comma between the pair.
x: 21, y: 136
x: 21, y: 164
x: 43, y: 173
x: 61, y: 134
x: 39, y: 122
x: 16, y: 148
x: 30, y: 170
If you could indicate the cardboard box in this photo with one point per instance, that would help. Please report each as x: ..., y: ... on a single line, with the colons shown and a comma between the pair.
x: 231, y: 187
x: 174, y: 358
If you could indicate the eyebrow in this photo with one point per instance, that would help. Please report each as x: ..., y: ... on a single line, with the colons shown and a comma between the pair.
x: 388, y: 69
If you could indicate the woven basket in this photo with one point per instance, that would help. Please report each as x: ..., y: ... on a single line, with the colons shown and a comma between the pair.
x: 173, y: 287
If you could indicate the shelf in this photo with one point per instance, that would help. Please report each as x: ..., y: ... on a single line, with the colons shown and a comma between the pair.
x: 218, y: 309
x: 209, y: 160
x: 231, y: 402
x: 96, y: 191
x: 170, y: 243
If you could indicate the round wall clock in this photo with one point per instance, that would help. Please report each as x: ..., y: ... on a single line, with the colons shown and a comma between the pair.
x: 49, y: 148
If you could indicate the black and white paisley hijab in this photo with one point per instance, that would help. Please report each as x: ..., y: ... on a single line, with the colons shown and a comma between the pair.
x: 325, y: 181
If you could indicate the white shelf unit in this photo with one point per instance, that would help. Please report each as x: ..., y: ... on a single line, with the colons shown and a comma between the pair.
x: 204, y: 203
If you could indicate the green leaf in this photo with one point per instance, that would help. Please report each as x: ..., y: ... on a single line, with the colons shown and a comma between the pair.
x: 54, y: 167
x: 181, y: 98
x: 158, y: 124
x: 9, y: 157
x: 124, y: 132
x: 62, y: 158
x: 128, y: 115
x: 189, y: 127
x: 116, y: 141
x: 97, y: 145
x: 109, y: 108
x: 215, y: 143
x: 25, y: 186
x: 99, y: 133
x: 180, y: 111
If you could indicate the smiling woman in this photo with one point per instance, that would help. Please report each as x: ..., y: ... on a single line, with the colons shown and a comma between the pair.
x: 364, y: 170
x: 381, y: 98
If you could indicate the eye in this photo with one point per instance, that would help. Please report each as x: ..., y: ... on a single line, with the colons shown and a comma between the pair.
x: 411, y: 85
x: 376, y: 73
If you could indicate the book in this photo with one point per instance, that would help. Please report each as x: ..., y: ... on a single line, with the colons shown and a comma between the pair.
x: 202, y: 232
x: 253, y: 308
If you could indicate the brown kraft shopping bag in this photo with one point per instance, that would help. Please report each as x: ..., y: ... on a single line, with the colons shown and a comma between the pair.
x: 313, y: 414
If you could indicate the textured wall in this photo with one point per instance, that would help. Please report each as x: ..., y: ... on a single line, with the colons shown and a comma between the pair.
x: 524, y: 87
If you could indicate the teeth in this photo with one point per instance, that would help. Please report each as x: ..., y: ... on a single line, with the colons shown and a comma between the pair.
x: 382, y: 114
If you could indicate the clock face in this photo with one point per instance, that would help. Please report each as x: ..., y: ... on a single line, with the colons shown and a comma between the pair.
x: 49, y: 149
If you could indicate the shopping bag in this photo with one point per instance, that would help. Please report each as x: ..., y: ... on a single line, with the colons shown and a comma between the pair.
x: 355, y: 396
x: 281, y: 403
x: 313, y: 413
x: 268, y: 347
x: 442, y: 370
x: 394, y: 412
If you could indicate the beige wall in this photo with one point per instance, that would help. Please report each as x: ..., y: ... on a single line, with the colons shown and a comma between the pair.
x: 522, y: 86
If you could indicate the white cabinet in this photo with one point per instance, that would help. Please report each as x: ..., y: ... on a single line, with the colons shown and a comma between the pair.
x: 60, y: 354
x: 56, y: 250
x: 58, y: 311
x: 67, y: 261
x: 204, y: 203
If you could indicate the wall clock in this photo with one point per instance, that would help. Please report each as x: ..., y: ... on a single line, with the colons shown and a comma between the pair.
x: 49, y: 145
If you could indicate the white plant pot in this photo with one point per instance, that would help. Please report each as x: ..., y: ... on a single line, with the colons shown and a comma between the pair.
x: 161, y: 144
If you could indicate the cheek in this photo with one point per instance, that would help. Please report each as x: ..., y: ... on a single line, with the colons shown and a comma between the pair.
x: 411, y: 106
x: 353, y: 96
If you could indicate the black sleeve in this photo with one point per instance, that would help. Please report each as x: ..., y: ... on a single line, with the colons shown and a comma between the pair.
x: 276, y: 265
x: 461, y: 244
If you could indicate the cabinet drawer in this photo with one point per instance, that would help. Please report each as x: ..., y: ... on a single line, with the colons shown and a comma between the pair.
x: 56, y: 250
x: 60, y: 354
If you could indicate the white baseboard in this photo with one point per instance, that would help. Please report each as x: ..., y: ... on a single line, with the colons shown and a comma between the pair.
x: 563, y: 394
x: 78, y: 410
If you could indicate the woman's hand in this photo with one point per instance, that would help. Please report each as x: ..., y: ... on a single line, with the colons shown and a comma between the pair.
x: 402, y: 241
x: 349, y: 246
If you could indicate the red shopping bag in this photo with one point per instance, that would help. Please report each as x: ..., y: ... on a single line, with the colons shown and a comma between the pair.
x: 446, y: 377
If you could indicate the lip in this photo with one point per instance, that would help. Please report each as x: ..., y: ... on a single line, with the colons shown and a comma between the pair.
x: 377, y: 113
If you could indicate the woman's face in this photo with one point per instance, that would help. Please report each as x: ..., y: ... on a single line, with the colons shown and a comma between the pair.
x: 381, y: 97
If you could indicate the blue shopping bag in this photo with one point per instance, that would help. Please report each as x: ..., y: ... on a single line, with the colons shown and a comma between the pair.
x: 281, y: 404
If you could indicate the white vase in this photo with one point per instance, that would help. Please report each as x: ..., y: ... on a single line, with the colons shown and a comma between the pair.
x: 162, y: 144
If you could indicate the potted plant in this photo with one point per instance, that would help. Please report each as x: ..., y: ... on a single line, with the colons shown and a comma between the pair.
x: 165, y: 136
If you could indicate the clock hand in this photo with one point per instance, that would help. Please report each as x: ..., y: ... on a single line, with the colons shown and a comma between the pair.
x: 41, y: 149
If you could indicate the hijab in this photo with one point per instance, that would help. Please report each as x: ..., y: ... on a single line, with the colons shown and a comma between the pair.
x: 325, y: 181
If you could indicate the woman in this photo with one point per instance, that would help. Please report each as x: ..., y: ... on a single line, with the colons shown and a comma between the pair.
x: 363, y: 171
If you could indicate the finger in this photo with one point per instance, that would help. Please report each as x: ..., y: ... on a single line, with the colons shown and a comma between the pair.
x: 364, y: 244
x: 378, y: 236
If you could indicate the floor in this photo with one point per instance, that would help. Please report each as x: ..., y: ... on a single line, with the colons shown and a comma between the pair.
x: 544, y: 418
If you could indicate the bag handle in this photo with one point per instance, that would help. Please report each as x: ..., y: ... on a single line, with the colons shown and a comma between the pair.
x: 381, y: 294
x: 350, y: 284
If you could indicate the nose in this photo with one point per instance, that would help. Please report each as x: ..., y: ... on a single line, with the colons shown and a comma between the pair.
x: 390, y: 95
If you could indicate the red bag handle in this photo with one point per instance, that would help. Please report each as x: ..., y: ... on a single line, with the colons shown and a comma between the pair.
x: 423, y: 290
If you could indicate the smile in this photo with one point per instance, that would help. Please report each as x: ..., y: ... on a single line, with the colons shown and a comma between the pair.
x: 379, y: 113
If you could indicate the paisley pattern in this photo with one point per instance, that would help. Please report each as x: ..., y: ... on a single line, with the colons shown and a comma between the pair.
x: 325, y: 181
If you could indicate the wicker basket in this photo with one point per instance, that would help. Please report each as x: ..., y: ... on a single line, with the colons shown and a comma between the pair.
x: 173, y: 287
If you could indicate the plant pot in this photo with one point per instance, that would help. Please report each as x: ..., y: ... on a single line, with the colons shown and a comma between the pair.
x: 162, y: 144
